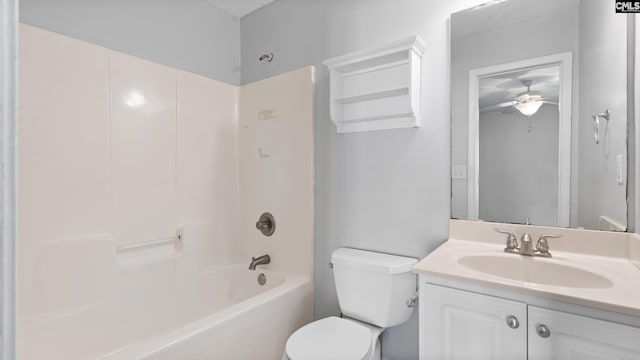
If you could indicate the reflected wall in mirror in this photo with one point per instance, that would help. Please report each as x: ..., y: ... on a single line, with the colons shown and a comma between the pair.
x: 518, y: 117
x: 526, y: 79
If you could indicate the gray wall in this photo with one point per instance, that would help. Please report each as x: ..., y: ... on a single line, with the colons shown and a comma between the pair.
x: 510, y: 189
x: 189, y: 34
x: 386, y: 190
x: 603, y: 48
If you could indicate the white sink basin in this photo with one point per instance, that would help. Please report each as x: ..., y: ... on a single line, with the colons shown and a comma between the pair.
x: 535, y: 270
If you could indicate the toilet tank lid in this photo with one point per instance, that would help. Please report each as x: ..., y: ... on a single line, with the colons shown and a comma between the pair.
x: 373, y: 261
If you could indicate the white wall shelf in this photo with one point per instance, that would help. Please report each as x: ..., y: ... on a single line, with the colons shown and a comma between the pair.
x: 374, y: 95
x: 377, y: 89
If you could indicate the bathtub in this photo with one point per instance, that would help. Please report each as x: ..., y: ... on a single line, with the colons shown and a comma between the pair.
x: 246, y: 320
x: 220, y: 313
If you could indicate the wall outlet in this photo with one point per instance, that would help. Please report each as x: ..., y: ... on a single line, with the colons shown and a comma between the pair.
x: 458, y: 172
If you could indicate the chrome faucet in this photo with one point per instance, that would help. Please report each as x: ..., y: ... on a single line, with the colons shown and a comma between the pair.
x: 260, y: 260
x: 526, y: 245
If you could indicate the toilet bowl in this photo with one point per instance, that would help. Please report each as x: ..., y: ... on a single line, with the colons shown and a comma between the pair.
x: 372, y: 290
x: 336, y: 339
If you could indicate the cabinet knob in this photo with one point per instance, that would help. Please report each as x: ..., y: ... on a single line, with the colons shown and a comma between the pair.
x: 512, y: 322
x: 543, y: 330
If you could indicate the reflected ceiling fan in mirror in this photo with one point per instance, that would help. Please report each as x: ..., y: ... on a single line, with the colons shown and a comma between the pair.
x: 527, y: 103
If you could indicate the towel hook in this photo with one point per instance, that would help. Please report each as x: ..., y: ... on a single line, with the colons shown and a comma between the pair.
x: 596, y: 123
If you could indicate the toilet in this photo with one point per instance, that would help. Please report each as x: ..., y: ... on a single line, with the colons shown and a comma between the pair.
x: 373, y: 289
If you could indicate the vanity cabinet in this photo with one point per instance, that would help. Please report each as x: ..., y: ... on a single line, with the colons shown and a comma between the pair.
x: 579, y: 337
x: 465, y: 325
x: 459, y: 324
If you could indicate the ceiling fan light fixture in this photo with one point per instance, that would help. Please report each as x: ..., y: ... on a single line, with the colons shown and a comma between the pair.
x: 529, y: 108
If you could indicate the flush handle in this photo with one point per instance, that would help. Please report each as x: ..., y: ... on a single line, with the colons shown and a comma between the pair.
x: 512, y: 322
x: 543, y: 331
x: 411, y: 303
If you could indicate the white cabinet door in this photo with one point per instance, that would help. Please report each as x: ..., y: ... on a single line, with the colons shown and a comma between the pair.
x: 465, y: 325
x: 577, y: 337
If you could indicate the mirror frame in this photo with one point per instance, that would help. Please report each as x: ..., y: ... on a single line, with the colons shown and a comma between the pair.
x: 564, y: 61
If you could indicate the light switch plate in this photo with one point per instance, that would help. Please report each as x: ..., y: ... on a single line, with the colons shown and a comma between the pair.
x: 620, y: 169
x: 458, y: 172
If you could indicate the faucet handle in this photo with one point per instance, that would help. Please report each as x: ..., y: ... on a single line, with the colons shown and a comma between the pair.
x: 542, y: 247
x: 512, y: 243
x: 551, y: 236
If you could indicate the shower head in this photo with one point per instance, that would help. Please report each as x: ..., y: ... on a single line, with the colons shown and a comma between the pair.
x: 268, y: 57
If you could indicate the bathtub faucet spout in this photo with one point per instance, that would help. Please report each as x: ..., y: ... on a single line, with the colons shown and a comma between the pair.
x: 260, y: 260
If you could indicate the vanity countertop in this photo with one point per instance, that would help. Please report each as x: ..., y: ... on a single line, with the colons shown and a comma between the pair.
x: 608, y: 255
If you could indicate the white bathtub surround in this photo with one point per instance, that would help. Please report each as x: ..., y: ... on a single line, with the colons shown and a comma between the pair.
x: 207, y: 192
x: 116, y: 151
x: 607, y: 254
x: 63, y: 141
x: 143, y: 147
x: 276, y: 168
x: 165, y: 306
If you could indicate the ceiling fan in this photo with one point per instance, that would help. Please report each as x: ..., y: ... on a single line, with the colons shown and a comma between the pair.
x: 527, y: 102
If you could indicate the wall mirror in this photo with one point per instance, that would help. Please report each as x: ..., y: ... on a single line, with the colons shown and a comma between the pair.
x: 539, y: 114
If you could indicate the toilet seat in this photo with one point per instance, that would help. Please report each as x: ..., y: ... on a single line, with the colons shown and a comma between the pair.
x: 330, y: 338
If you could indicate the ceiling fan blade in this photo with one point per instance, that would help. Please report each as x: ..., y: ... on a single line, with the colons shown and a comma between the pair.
x: 528, y: 97
x: 550, y: 102
x: 521, y: 98
x: 497, y: 106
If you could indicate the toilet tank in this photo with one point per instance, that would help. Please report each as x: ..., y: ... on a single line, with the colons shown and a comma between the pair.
x: 374, y: 287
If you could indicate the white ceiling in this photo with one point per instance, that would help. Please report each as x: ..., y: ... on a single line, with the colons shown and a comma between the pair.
x: 239, y: 8
x: 505, y: 87
x: 486, y: 17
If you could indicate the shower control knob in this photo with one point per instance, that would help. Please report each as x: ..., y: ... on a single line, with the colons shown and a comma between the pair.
x: 512, y: 322
x: 543, y: 331
x: 266, y: 224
